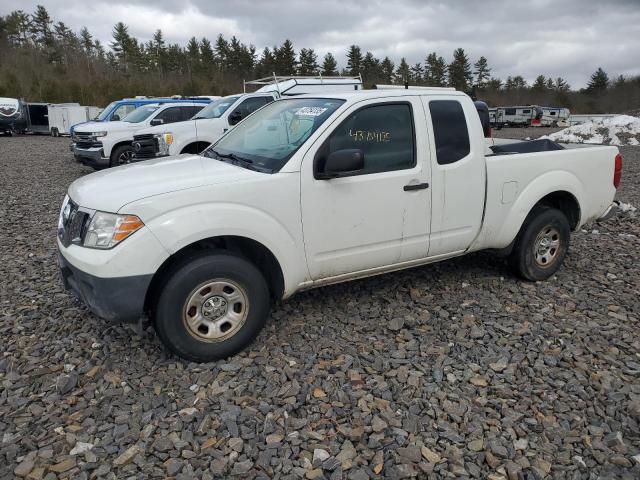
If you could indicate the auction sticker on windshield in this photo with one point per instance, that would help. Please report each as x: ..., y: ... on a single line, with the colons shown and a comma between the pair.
x: 310, y: 111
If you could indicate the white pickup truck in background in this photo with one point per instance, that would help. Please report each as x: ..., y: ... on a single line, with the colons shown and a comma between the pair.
x: 108, y: 144
x: 214, y: 121
x: 312, y: 190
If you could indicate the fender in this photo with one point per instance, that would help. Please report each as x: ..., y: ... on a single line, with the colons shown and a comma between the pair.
x: 501, y: 227
x: 184, y: 226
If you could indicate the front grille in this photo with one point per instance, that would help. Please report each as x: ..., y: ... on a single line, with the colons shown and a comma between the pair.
x: 145, y: 146
x: 73, y: 224
x: 85, y: 140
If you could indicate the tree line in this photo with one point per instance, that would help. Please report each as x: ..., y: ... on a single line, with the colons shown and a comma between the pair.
x: 44, y: 60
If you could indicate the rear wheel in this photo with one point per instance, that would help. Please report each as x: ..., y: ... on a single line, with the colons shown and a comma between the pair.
x: 211, y: 306
x: 542, y: 244
x: 54, y: 132
x: 121, y: 156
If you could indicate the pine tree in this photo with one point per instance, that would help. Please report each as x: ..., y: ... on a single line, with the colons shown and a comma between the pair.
x: 308, y: 62
x: 222, y: 52
x: 435, y: 74
x: 482, y: 72
x: 460, y: 76
x: 370, y: 68
x: 41, y: 27
x: 158, y: 52
x: 599, y: 81
x: 620, y: 81
x: 550, y: 84
x: 561, y: 85
x: 403, y: 72
x: 540, y: 84
x: 354, y: 60
x: 386, y: 70
x: 329, y: 65
x: 285, y: 58
x: 121, y: 45
x: 519, y: 83
x: 207, y: 57
x: 417, y: 74
x: 18, y: 27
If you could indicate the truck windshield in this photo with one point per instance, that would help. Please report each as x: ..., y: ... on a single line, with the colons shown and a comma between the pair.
x: 217, y: 108
x: 268, y: 138
x: 140, y: 114
x: 105, y: 113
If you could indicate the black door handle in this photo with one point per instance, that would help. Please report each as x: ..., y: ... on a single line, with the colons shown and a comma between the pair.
x: 416, y: 186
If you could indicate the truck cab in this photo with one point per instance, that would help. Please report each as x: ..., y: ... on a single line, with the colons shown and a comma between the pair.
x: 108, y: 144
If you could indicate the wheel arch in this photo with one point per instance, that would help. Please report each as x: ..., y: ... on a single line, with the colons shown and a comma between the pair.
x: 118, y: 145
x: 254, y: 251
x: 195, y: 147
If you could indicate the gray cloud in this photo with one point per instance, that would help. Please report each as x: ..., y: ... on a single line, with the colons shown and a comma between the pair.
x: 568, y: 38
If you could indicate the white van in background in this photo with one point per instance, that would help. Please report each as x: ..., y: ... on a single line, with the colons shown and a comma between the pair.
x: 217, y: 118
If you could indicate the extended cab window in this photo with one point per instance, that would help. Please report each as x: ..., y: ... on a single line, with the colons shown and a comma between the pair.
x: 384, y: 133
x: 450, y: 131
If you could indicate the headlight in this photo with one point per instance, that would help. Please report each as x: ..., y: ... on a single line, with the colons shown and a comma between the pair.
x: 108, y: 229
x: 99, y: 134
x: 164, y: 142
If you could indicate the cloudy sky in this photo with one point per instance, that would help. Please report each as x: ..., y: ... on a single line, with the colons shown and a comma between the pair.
x: 568, y: 38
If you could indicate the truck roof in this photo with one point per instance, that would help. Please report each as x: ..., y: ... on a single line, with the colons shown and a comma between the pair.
x: 383, y: 93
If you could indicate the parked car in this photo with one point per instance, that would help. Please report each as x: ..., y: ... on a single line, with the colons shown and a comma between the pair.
x: 13, y: 116
x: 314, y: 190
x: 219, y: 117
x: 119, y: 109
x: 108, y: 144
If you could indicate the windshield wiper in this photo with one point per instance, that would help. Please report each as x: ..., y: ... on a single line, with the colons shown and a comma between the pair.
x: 232, y: 156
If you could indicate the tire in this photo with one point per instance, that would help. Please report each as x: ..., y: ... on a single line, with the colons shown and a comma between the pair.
x: 541, y: 245
x: 54, y: 132
x: 205, y: 285
x: 122, y: 155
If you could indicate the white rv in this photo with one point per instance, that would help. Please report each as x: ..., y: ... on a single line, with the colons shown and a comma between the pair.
x: 553, y: 117
x: 518, y: 116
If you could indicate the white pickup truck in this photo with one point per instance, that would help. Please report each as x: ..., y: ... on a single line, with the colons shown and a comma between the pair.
x: 218, y: 118
x: 313, y: 190
x: 108, y: 144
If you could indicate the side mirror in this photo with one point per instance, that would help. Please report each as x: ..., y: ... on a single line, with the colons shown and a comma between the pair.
x: 156, y: 121
x: 235, y: 117
x: 341, y: 163
x: 115, y: 118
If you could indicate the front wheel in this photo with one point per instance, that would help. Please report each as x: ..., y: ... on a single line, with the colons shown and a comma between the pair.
x: 211, y: 307
x: 121, y: 156
x: 542, y: 244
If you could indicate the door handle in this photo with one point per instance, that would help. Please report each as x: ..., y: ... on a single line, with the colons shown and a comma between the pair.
x: 415, y: 186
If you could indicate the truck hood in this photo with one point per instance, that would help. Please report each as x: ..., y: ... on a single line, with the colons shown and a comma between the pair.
x: 117, y: 126
x: 109, y: 190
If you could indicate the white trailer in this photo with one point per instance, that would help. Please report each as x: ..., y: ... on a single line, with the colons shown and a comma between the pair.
x: 63, y: 115
x: 553, y: 117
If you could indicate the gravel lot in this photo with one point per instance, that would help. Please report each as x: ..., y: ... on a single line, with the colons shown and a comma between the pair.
x: 451, y: 370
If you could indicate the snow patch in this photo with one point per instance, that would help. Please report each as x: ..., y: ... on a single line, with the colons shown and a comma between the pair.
x: 618, y: 130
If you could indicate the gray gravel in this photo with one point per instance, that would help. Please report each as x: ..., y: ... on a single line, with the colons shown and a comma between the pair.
x: 452, y: 370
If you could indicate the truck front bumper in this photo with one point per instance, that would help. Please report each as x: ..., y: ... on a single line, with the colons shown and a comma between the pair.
x: 118, y: 299
x: 91, y: 156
